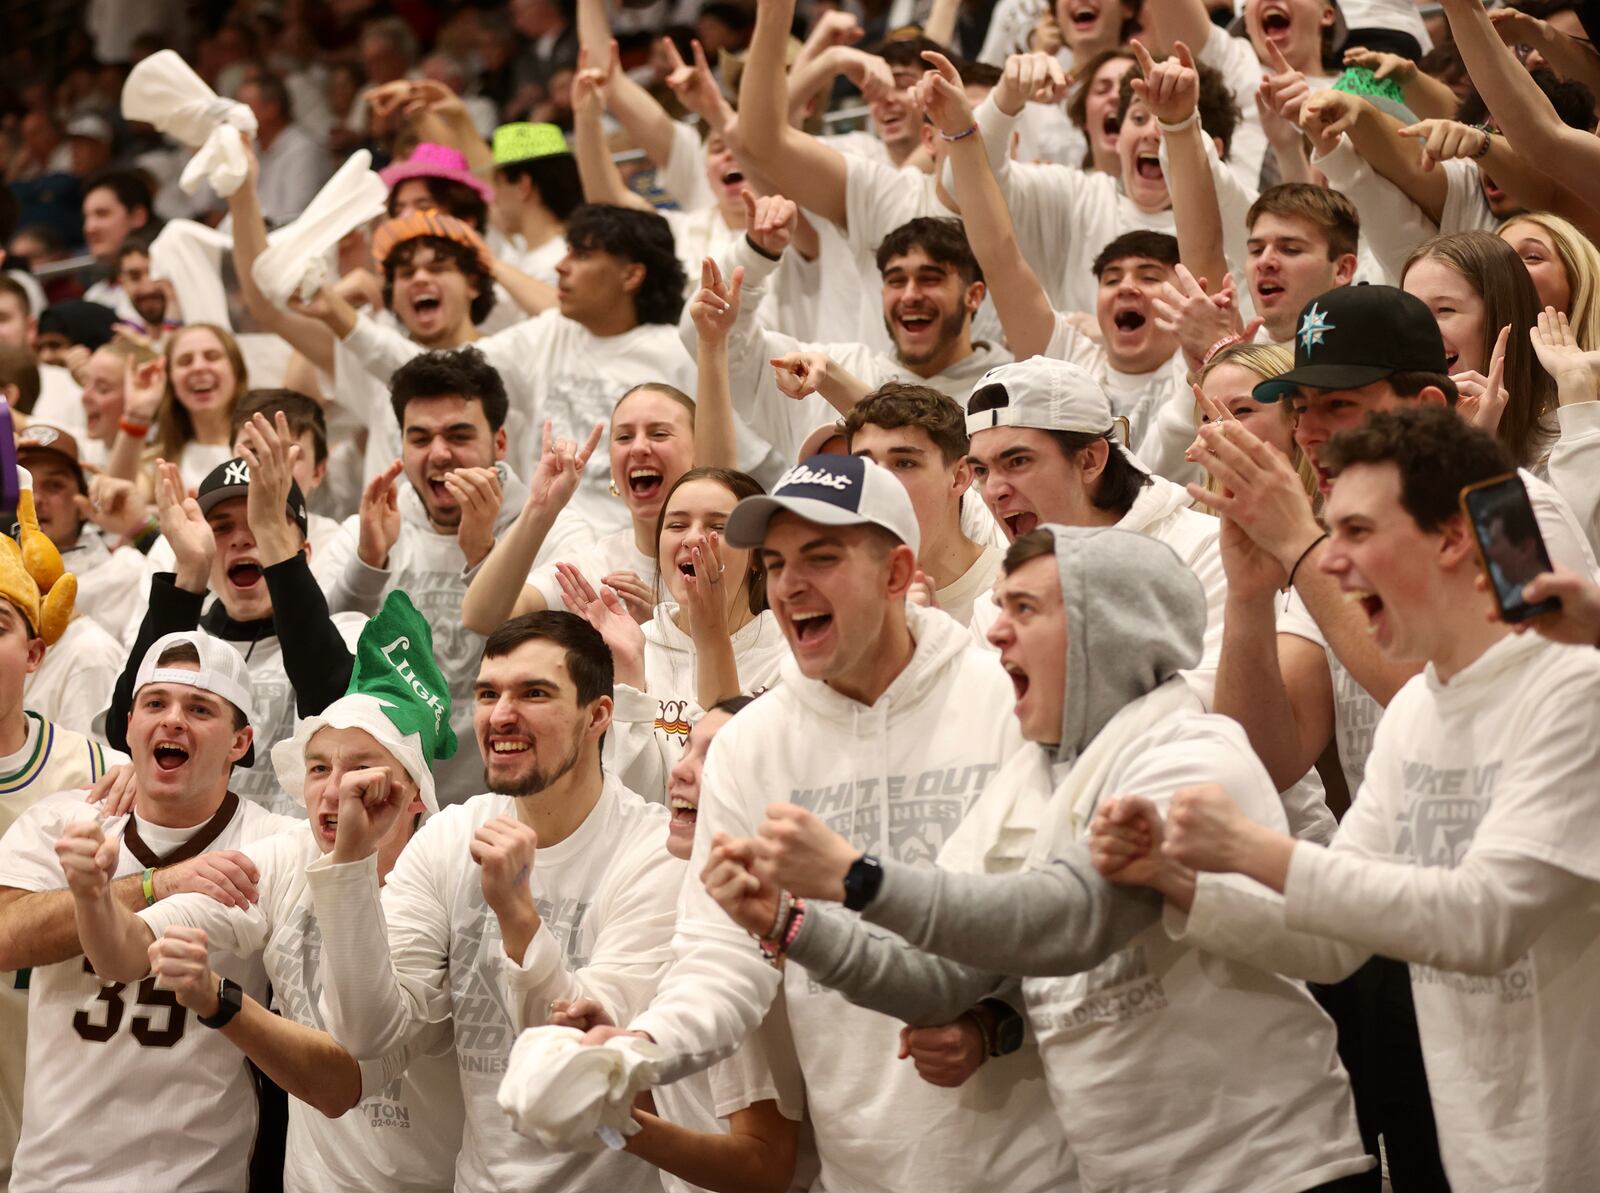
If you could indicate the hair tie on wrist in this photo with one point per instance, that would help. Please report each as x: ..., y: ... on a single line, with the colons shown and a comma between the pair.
x: 1315, y: 543
x: 133, y: 428
x: 1188, y: 121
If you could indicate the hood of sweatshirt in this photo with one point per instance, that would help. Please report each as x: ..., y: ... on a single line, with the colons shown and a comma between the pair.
x: 939, y: 640
x: 513, y: 493
x: 1157, y: 500
x: 1136, y: 614
x: 957, y: 381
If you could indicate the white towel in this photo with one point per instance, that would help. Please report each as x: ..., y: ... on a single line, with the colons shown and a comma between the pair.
x: 570, y: 1098
x: 162, y: 90
x: 296, y: 261
x: 189, y: 255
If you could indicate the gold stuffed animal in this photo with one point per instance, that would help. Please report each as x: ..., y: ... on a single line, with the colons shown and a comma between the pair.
x: 33, y: 577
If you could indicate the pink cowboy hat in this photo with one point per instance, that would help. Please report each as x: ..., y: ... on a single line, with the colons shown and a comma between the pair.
x: 428, y: 160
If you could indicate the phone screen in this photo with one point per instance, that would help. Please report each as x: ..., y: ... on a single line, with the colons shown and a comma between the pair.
x: 1513, y: 549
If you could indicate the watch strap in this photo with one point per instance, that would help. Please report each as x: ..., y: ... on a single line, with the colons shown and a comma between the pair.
x: 230, y: 999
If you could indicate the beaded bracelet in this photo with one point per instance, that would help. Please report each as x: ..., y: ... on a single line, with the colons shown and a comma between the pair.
x: 961, y: 136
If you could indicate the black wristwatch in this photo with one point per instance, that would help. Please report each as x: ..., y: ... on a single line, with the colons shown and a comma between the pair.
x: 1009, y: 1028
x: 861, y: 882
x: 229, y: 1000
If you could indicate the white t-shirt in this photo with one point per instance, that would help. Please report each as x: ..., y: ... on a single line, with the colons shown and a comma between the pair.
x: 73, y: 684
x: 595, y: 559
x: 184, y: 1097
x: 106, y: 579
x: 60, y: 402
x: 957, y: 597
x: 683, y: 174
x: 1355, y: 712
x: 1137, y: 397
x: 606, y: 897
x: 1469, y: 852
x: 405, y: 1132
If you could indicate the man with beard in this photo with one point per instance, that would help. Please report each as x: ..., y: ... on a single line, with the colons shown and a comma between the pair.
x: 932, y: 287
x: 553, y: 886
x: 425, y: 536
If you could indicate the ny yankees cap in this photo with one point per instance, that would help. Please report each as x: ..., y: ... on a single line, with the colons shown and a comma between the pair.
x: 233, y: 480
x: 1046, y: 394
x: 830, y: 491
x: 1356, y: 335
x: 222, y: 673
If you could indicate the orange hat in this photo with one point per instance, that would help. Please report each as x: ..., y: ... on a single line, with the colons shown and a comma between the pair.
x: 427, y: 223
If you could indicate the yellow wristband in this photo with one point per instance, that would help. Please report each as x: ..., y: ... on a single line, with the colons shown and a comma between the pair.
x: 149, y: 886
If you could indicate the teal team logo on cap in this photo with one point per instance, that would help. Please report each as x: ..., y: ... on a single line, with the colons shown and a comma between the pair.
x: 1314, y: 327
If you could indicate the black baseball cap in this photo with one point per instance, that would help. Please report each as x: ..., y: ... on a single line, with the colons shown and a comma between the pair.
x: 1356, y: 335
x: 233, y: 480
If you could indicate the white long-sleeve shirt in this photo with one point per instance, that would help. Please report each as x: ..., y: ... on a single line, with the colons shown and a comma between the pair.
x: 892, y: 779
x: 429, y: 948
x: 404, y: 1134
x: 1470, y: 851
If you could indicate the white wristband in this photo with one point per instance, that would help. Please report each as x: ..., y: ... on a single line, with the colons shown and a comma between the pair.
x: 1189, y: 121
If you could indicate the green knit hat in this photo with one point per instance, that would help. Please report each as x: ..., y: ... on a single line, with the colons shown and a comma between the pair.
x: 522, y: 141
x: 397, y: 694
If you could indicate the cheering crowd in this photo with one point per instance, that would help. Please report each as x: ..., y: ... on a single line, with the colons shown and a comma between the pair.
x: 760, y: 597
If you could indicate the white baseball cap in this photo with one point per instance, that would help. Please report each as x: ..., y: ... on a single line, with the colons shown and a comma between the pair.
x: 222, y: 672
x: 1048, y: 395
x: 830, y: 491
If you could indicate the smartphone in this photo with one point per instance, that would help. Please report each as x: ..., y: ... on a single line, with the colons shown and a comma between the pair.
x: 10, y: 493
x: 1509, y: 543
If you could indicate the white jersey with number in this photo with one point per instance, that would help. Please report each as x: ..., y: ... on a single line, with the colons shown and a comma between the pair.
x: 403, y: 1136
x: 125, y: 1090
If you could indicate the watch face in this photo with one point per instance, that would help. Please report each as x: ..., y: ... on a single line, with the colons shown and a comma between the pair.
x: 1009, y: 1036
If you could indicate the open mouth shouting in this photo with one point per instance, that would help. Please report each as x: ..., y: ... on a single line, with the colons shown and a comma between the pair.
x: 733, y: 181
x: 1110, y: 127
x: 645, y: 482
x: 245, y: 575
x: 1129, y: 321
x: 1083, y: 18
x: 916, y: 323
x: 1018, y: 676
x: 427, y: 307
x: 169, y: 755
x: 328, y: 826
x: 1019, y: 523
x: 1276, y: 22
x: 1269, y: 293
x: 1148, y: 167
x: 809, y: 629
x: 1372, y: 606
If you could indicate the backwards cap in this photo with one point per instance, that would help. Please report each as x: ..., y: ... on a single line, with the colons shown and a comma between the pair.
x: 1047, y: 394
x: 222, y: 673
x: 397, y: 694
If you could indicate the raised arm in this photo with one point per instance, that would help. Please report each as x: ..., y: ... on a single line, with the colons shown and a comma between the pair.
x: 1171, y: 90
x: 1021, y: 302
x: 1171, y: 21
x: 304, y: 334
x: 602, y: 181
x: 797, y: 164
x: 1568, y: 57
x: 1523, y: 112
x: 499, y: 589
x: 713, y: 310
x: 646, y: 121
x: 1424, y: 94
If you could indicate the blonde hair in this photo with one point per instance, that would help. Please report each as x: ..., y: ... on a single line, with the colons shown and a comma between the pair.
x: 1265, y: 361
x: 1581, y: 260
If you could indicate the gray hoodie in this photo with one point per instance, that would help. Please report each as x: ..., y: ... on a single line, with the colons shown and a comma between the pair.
x: 1135, y: 617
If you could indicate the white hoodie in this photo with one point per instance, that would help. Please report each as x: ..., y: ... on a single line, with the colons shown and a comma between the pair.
x: 894, y: 779
x: 1163, y: 511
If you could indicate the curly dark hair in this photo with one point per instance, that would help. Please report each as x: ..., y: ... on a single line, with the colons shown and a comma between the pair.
x: 458, y: 254
x: 943, y: 238
x: 1141, y: 242
x: 639, y: 238
x: 1219, y: 114
x: 450, y: 372
x: 1435, y: 450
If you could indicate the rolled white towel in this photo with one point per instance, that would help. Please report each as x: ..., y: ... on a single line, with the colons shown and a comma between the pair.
x: 571, y: 1098
x: 295, y: 262
x: 164, y: 91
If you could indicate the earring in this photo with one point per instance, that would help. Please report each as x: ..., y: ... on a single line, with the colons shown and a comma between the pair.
x: 614, y: 491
